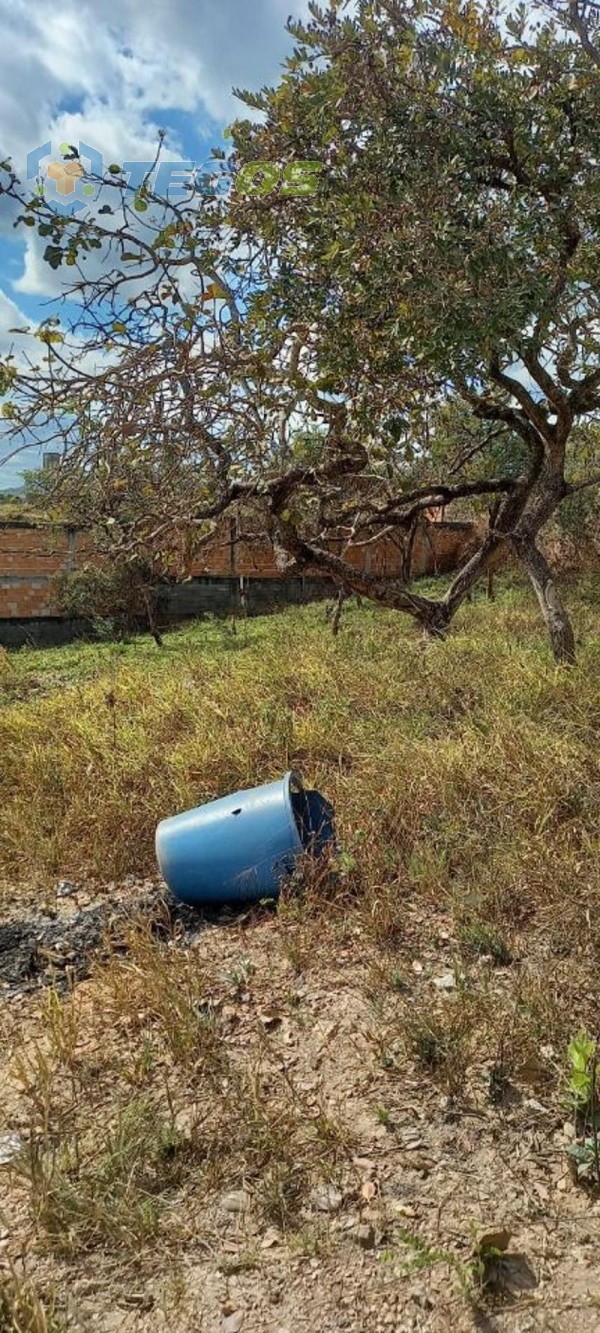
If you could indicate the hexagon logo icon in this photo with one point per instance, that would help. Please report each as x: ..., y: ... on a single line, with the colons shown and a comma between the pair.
x: 61, y: 181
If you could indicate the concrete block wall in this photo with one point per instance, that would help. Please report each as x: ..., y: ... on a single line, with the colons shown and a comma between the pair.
x: 32, y: 556
x: 30, y: 559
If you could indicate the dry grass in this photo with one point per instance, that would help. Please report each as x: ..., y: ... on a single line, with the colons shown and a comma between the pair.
x: 432, y: 753
x: 137, y: 1105
x: 23, y: 1310
x: 464, y: 910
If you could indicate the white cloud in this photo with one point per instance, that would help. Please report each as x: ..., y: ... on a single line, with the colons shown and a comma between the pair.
x: 10, y: 318
x: 101, y: 73
x: 127, y: 59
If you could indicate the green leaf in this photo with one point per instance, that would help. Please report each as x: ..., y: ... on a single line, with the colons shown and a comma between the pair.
x: 53, y: 256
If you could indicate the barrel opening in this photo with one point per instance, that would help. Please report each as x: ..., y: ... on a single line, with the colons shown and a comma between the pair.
x: 314, y: 820
x: 301, y: 813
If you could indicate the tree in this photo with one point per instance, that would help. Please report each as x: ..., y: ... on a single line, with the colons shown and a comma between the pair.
x: 449, y: 255
x: 583, y: 18
x: 459, y: 209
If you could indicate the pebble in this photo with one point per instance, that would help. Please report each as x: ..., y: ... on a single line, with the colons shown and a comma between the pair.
x: 232, y: 1323
x: 236, y: 1202
x: 65, y: 888
x: 445, y: 983
x: 10, y: 1147
x: 326, y: 1199
x: 364, y: 1235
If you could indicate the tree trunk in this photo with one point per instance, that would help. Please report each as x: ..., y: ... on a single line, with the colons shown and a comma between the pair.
x: 152, y: 625
x: 407, y: 550
x: 337, y: 614
x: 556, y: 619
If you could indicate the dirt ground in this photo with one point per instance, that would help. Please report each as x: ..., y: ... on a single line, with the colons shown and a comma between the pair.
x: 424, y: 1178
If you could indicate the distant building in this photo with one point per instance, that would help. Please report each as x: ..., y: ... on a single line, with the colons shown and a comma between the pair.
x: 50, y: 462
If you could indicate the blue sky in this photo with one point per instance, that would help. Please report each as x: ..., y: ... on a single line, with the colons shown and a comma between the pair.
x: 112, y: 76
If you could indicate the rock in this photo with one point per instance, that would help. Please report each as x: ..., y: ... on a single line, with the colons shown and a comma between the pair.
x: 364, y: 1235
x: 270, y: 1239
x: 236, y: 1202
x: 491, y: 1239
x: 65, y: 888
x: 232, y: 1323
x: 10, y: 1147
x: 445, y: 983
x: 405, y: 1210
x: 326, y: 1199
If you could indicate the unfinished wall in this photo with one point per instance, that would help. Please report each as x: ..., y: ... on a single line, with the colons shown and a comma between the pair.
x: 32, y: 556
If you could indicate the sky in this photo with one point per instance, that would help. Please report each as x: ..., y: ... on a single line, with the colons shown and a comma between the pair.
x: 112, y: 75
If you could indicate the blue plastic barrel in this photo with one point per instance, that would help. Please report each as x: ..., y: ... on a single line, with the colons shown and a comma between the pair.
x: 241, y: 847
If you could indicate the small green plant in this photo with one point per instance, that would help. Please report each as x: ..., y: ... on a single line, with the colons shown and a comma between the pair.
x: 280, y: 1193
x: 485, y: 940
x: 584, y: 1155
x: 581, y: 1055
x: 440, y: 1039
x: 85, y: 1193
x: 488, y: 1264
x: 426, y: 1256
x: 497, y: 1082
x: 239, y: 975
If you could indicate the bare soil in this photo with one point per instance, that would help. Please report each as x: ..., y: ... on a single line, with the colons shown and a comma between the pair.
x: 387, y: 1237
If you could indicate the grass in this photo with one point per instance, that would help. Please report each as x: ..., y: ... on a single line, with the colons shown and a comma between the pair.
x: 108, y: 1185
x: 432, y: 753
x: 161, y: 1101
x: 23, y: 1310
x: 467, y: 793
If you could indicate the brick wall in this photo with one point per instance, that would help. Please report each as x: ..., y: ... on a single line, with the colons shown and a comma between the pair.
x: 31, y: 557
x: 438, y: 547
x: 29, y: 560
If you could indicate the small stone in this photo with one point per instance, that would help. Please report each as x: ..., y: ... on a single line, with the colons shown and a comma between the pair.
x: 445, y: 983
x: 364, y: 1235
x: 492, y: 1238
x: 232, y: 1323
x: 326, y: 1199
x: 270, y: 1239
x: 10, y: 1147
x: 236, y: 1202
x: 65, y: 888
x: 405, y: 1210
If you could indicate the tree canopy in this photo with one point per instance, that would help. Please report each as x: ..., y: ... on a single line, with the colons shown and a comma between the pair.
x: 420, y: 329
